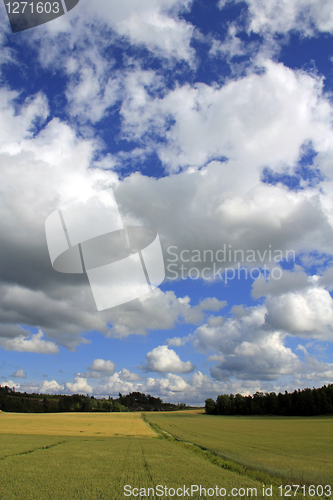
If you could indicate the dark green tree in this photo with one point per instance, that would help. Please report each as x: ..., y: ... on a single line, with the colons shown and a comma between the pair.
x: 210, y: 406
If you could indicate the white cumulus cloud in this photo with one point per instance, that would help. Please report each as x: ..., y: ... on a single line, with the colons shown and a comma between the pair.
x: 51, y: 387
x: 80, y: 385
x: 307, y: 313
x: 35, y: 343
x: 102, y: 365
x: 163, y: 359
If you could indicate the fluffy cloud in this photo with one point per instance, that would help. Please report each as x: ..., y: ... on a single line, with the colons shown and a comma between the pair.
x: 19, y: 373
x: 294, y: 280
x: 51, y: 387
x: 52, y: 168
x: 196, y: 388
x: 212, y: 304
x: 80, y: 385
x: 266, y: 359
x: 250, y: 344
x: 298, y: 304
x: 129, y: 376
x: 281, y: 16
x: 259, y: 119
x: 163, y: 359
x: 179, y: 341
x: 157, y: 311
x: 95, y: 83
x: 226, y: 334
x: 152, y: 23
x: 232, y: 46
x: 258, y: 218
x: 308, y: 313
x: 22, y: 343
x: 318, y: 370
x: 11, y: 384
x: 116, y: 384
x: 172, y: 383
x: 18, y: 122
x: 102, y: 365
x: 100, y: 368
x: 191, y: 390
x: 171, y: 387
x: 222, y: 203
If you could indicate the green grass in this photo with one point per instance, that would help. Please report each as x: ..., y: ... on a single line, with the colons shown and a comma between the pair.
x: 295, y: 448
x: 78, y: 466
x: 96, y: 468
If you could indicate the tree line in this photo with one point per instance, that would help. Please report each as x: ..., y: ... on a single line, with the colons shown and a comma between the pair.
x: 14, y: 401
x: 306, y: 402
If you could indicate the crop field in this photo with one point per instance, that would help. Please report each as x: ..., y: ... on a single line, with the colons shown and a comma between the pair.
x: 46, y: 467
x: 120, y: 449
x: 300, y: 448
x: 75, y: 424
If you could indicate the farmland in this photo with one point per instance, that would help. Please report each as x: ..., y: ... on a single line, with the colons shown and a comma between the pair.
x: 93, y: 456
x: 300, y: 448
x: 75, y: 424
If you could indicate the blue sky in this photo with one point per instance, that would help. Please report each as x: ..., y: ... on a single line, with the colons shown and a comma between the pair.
x: 213, y: 124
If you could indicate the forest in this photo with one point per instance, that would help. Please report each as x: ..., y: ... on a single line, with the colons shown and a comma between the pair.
x: 14, y: 401
x: 306, y: 402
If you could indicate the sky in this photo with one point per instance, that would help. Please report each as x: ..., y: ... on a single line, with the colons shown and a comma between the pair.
x: 212, y: 123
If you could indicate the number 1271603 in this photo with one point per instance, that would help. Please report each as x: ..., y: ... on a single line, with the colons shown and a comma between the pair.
x: 32, y: 7
x: 291, y: 490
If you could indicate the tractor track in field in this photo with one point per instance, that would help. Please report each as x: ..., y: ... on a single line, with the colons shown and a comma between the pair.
x: 32, y: 451
x: 146, y: 466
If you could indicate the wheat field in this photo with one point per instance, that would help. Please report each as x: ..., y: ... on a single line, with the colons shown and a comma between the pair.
x: 75, y: 424
x: 300, y: 448
x: 90, y: 456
